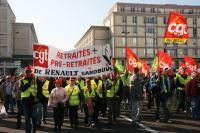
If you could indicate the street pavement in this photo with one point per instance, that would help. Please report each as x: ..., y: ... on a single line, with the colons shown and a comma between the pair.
x: 180, y: 124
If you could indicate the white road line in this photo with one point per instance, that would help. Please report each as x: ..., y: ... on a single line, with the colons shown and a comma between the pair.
x: 141, y: 125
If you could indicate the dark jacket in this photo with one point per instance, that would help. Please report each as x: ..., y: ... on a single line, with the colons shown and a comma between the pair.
x: 136, y: 88
x: 40, y: 95
x: 192, y: 88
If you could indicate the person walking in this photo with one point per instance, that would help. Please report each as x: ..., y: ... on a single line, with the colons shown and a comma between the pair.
x: 89, y: 94
x: 193, y: 93
x: 17, y: 96
x: 136, y: 97
x: 57, y: 100
x: 28, y: 96
x: 181, y: 80
x: 7, y: 90
x: 44, y: 90
x: 73, y: 91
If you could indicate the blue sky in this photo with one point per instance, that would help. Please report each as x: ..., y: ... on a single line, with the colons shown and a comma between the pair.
x: 61, y: 23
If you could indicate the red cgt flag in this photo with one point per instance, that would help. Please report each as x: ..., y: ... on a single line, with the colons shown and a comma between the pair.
x: 190, y: 64
x: 164, y: 60
x: 177, y: 29
x: 132, y: 59
x: 145, y: 68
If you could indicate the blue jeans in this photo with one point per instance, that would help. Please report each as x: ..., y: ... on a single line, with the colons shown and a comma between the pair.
x: 38, y: 113
x: 136, y: 109
x: 30, y: 114
x: 44, y: 107
x: 9, y: 102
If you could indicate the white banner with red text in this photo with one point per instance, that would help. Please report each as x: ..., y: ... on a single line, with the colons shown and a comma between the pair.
x: 86, y: 62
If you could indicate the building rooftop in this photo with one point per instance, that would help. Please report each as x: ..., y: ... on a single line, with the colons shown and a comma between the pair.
x: 31, y: 26
x: 91, y: 28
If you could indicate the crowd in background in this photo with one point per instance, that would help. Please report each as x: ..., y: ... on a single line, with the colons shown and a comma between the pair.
x: 103, y: 95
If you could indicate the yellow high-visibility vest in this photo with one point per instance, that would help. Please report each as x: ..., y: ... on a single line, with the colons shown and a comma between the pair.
x: 98, y: 88
x: 182, y: 81
x: 74, y: 98
x: 114, y: 89
x: 31, y: 90
x: 45, y: 89
x: 87, y: 94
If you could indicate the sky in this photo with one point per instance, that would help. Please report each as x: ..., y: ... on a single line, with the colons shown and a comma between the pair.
x: 61, y: 23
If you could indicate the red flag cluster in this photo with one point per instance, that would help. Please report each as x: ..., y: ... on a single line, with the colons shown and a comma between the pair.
x: 133, y: 62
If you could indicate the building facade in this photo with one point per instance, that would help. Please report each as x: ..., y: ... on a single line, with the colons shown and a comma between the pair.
x: 96, y: 35
x: 142, y: 26
x: 15, y: 40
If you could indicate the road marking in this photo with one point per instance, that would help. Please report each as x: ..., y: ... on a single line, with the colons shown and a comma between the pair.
x: 141, y: 125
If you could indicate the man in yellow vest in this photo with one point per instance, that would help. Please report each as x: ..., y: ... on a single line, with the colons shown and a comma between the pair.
x: 44, y: 90
x: 97, y: 84
x: 73, y: 91
x: 80, y: 82
x: 181, y: 80
x: 112, y: 87
x: 28, y: 96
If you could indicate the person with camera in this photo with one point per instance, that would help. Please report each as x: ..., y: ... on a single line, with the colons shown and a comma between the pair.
x: 57, y: 100
x: 28, y: 89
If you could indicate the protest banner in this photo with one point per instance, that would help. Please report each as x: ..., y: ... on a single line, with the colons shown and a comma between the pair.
x: 86, y: 62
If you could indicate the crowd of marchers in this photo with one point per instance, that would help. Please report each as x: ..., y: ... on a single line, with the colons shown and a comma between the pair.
x: 103, y: 95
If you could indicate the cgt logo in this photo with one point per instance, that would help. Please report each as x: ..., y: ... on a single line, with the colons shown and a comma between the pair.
x: 178, y: 29
x: 163, y: 65
x: 132, y: 62
x: 191, y: 67
x: 40, y: 56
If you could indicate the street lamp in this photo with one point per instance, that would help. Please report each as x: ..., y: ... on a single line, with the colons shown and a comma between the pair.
x: 125, y: 32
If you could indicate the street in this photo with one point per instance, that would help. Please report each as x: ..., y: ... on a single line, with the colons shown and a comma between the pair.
x: 180, y: 124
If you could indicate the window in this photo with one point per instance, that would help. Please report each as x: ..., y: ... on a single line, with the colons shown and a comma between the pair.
x: 194, y: 32
x: 124, y: 29
x: 194, y: 51
x: 150, y: 42
x: 132, y: 9
x: 135, y: 19
x: 194, y: 21
x: 134, y: 29
x: 142, y: 9
x: 152, y: 10
x: 150, y: 52
x: 124, y: 19
x: 165, y: 20
x: 194, y: 42
x: 184, y: 51
x: 150, y: 20
x: 191, y: 12
x: 150, y: 30
x: 134, y: 42
x: 171, y: 52
x: 182, y: 11
x: 134, y: 50
x: 122, y: 9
